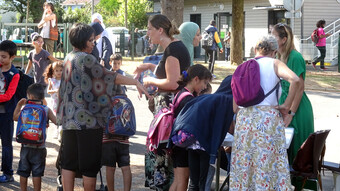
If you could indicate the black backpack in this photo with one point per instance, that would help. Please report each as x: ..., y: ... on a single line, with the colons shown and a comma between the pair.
x: 24, y: 82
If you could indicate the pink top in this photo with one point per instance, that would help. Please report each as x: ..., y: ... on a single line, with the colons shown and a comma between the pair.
x: 322, y: 41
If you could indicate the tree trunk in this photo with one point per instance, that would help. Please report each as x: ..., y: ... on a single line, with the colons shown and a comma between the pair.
x: 236, y: 49
x: 173, y: 9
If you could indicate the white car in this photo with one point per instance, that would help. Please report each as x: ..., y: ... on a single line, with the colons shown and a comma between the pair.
x: 116, y: 34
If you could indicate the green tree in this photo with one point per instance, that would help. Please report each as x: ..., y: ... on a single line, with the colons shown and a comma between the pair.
x: 109, y: 9
x: 137, y: 10
x: 78, y: 15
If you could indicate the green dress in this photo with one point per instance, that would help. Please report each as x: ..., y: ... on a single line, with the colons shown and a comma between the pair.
x: 303, y: 121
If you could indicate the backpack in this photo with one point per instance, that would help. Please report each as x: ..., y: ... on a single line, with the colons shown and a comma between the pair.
x: 207, y: 40
x: 314, y: 36
x: 122, y: 120
x: 246, y: 84
x: 24, y: 82
x: 31, y: 127
x: 161, y: 125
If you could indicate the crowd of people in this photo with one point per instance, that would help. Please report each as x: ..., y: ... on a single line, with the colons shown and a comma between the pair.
x: 82, y: 84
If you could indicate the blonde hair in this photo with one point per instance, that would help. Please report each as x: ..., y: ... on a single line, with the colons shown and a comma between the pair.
x: 285, y: 31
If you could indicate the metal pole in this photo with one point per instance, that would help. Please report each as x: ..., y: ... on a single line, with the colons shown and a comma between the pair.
x: 339, y: 54
x: 293, y: 16
x: 92, y: 7
x: 26, y: 29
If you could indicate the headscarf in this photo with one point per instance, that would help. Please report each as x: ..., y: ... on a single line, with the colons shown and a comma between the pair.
x: 188, y: 31
x: 105, y: 33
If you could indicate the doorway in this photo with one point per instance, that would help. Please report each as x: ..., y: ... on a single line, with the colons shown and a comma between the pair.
x: 196, y: 18
x: 223, y: 24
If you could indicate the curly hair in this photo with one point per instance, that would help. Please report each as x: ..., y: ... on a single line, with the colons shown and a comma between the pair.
x: 50, y: 70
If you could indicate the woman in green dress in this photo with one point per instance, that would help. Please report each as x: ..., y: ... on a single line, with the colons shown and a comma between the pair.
x: 301, y: 111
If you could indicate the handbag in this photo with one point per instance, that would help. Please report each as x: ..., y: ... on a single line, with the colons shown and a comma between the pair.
x: 54, y: 30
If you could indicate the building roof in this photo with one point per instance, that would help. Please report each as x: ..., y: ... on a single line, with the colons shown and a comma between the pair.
x: 79, y: 2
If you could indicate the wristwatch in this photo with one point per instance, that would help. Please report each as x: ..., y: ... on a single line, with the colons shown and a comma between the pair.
x: 291, y: 113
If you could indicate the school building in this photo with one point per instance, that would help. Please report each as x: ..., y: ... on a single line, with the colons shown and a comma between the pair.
x: 259, y: 15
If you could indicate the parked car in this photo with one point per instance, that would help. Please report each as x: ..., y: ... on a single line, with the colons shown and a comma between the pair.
x: 116, y: 34
x: 19, y: 34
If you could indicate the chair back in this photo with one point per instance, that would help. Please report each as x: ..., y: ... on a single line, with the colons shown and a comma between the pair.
x: 319, y: 143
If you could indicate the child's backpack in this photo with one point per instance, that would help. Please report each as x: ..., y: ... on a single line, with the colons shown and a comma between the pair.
x: 161, y: 125
x: 183, y: 139
x: 314, y: 36
x: 24, y: 82
x: 207, y: 40
x: 246, y: 84
x: 31, y: 127
x: 154, y: 59
x: 122, y: 120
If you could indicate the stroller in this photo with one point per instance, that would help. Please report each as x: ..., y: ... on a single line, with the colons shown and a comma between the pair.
x: 78, y: 175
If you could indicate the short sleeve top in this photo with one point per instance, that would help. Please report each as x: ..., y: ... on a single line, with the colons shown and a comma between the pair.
x: 40, y: 62
x: 322, y: 41
x: 178, y: 50
x: 85, y: 93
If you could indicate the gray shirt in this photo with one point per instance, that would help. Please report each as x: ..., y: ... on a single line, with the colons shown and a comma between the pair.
x: 40, y: 62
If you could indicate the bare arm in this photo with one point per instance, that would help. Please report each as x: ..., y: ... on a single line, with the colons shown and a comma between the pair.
x: 298, y: 96
x: 172, y: 69
x: 284, y: 72
x: 325, y: 35
x: 28, y: 67
x: 46, y: 18
x: 49, y: 88
x: 124, y: 80
x: 51, y: 116
x: 17, y: 109
x: 53, y: 59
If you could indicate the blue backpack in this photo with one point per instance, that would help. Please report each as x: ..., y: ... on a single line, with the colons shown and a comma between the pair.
x: 122, y: 120
x: 31, y: 127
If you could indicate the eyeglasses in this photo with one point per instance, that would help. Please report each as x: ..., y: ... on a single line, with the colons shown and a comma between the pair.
x: 39, y: 42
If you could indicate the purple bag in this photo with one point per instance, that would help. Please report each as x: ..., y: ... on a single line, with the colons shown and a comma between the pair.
x: 246, y: 84
x: 183, y: 139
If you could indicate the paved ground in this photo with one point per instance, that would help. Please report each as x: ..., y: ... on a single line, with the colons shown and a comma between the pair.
x: 326, y: 115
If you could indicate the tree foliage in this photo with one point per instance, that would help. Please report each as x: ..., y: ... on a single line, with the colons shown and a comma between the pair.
x: 78, y: 15
x: 137, y: 10
x: 109, y: 10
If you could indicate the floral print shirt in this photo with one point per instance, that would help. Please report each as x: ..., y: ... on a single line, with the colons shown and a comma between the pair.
x: 85, y: 93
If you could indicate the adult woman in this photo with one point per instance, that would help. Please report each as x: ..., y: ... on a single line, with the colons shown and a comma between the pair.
x: 49, y: 19
x: 259, y: 159
x: 321, y: 45
x: 190, y: 35
x: 105, y: 44
x: 84, y: 105
x: 301, y: 111
x: 175, y: 60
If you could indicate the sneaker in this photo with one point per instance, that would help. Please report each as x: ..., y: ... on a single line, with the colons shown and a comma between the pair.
x: 314, y: 65
x: 6, y: 178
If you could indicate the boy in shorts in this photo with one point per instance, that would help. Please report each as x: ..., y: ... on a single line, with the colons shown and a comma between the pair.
x: 32, y: 157
x: 115, y: 148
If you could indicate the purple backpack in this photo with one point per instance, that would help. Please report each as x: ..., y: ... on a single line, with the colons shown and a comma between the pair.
x: 246, y: 84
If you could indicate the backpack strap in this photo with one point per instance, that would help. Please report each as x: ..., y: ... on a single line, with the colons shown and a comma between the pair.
x: 178, y: 99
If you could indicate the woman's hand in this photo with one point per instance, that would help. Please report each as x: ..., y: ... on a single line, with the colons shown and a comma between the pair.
x: 147, y: 81
x: 141, y: 89
x: 284, y: 112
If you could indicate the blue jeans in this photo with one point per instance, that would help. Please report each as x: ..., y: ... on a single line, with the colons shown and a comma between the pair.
x: 6, y: 133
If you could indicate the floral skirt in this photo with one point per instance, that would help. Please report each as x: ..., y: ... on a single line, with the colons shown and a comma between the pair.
x: 259, y: 158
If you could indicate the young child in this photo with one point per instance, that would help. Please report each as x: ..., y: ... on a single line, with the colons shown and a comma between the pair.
x: 194, y: 80
x: 52, y: 78
x: 39, y: 59
x: 115, y: 148
x: 32, y: 157
x: 116, y: 61
x: 9, y: 82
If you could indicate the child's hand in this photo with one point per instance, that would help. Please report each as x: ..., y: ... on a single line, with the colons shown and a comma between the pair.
x: 22, y: 102
x: 141, y: 89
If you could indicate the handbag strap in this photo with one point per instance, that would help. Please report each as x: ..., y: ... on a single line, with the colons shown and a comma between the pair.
x: 56, y: 22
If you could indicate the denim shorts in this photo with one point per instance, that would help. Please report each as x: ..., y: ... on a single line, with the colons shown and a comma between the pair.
x: 115, y: 152
x: 32, y: 160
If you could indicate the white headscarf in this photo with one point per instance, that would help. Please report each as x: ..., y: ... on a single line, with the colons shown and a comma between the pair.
x: 104, y: 33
